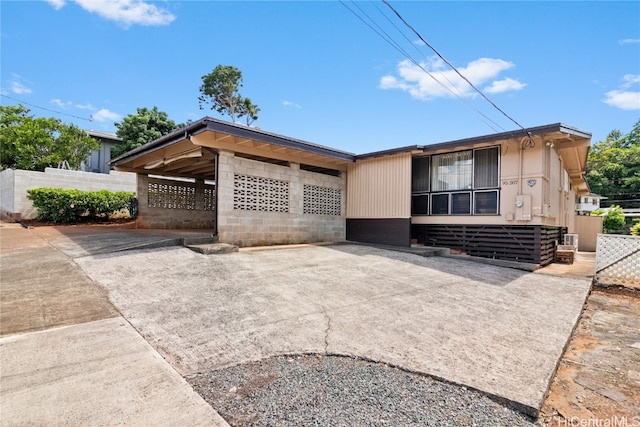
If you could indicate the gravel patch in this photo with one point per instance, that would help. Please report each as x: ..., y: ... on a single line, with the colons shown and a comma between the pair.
x: 315, y: 390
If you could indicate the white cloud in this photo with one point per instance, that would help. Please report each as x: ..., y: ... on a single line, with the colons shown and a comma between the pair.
x: 630, y: 80
x: 625, y: 100
x: 60, y: 103
x: 504, y: 85
x: 125, y: 12
x: 629, y: 41
x: 290, y: 104
x: 56, y: 4
x: 421, y: 85
x: 128, y: 12
x: 105, y: 115
x: 18, y: 85
x: 86, y: 107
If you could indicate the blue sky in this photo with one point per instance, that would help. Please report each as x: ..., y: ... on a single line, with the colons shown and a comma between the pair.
x: 320, y: 74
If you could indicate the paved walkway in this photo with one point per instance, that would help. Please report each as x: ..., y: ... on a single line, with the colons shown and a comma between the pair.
x: 86, y: 365
x: 495, y: 329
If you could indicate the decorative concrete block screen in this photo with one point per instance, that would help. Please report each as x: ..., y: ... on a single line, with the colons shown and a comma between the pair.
x: 178, y: 195
x: 618, y: 260
x: 322, y: 200
x: 209, y: 199
x: 254, y: 193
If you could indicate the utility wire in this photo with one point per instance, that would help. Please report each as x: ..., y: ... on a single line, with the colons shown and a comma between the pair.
x: 386, y: 37
x: 47, y: 109
x: 452, y: 88
x: 451, y: 65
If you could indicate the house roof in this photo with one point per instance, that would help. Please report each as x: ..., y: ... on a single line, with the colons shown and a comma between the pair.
x: 557, y: 128
x: 103, y: 135
x: 195, y: 141
x: 187, y: 151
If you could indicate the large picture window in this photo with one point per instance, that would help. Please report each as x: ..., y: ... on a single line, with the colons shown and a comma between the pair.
x: 459, y: 183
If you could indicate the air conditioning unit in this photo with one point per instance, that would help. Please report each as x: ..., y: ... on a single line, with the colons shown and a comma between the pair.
x: 571, y: 240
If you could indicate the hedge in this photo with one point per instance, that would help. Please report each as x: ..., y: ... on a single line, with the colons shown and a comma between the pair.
x: 58, y: 205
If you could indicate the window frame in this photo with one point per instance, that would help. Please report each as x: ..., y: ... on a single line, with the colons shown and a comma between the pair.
x: 451, y: 194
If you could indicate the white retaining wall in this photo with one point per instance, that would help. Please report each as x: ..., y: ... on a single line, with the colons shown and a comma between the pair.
x: 14, y: 184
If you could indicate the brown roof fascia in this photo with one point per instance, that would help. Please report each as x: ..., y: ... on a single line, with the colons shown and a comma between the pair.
x: 234, y: 129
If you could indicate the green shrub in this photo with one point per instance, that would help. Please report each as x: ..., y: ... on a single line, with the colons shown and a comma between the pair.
x: 635, y: 229
x: 612, y: 218
x: 58, y: 205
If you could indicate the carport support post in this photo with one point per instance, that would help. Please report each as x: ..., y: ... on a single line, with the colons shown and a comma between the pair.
x: 215, y: 199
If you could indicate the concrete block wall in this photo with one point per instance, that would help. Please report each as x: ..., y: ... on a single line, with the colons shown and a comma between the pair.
x: 15, y: 183
x: 256, y: 228
x: 164, y: 218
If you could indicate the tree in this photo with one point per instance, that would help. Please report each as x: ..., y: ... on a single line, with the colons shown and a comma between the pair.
x: 249, y: 110
x: 612, y: 218
x: 35, y: 143
x: 613, y: 167
x: 144, y: 126
x: 220, y: 88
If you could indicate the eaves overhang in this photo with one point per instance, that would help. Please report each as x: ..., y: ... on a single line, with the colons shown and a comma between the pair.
x: 510, y: 135
x: 236, y: 130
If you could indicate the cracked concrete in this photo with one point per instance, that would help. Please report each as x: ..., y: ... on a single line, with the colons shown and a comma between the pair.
x: 495, y: 329
x: 327, y: 330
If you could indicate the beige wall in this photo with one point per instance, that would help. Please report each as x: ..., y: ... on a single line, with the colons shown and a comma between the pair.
x: 587, y: 228
x: 380, y: 187
x: 535, y: 173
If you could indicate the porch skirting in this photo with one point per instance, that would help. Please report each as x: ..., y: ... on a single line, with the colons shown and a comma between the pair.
x: 522, y: 243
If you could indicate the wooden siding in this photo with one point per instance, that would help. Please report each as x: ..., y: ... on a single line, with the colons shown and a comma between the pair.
x: 529, y: 244
x: 380, y: 187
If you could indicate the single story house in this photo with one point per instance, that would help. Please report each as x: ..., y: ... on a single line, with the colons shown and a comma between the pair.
x: 507, y: 196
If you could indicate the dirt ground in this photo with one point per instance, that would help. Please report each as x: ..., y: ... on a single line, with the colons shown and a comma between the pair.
x: 598, y: 380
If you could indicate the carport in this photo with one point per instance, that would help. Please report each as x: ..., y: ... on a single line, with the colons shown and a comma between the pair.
x: 248, y: 186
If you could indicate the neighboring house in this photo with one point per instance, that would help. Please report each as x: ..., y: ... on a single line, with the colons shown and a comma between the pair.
x: 507, y: 196
x: 99, y: 160
x: 587, y: 203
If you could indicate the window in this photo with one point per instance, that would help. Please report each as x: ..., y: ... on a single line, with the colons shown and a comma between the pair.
x: 440, y: 204
x: 451, y: 171
x: 420, y: 174
x: 461, y: 203
x: 420, y: 204
x: 485, y: 168
x: 485, y: 202
x: 459, y: 183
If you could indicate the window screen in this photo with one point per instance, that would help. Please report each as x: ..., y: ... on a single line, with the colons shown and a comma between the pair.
x: 461, y: 203
x: 485, y: 168
x: 420, y: 174
x: 485, y: 202
x: 440, y: 204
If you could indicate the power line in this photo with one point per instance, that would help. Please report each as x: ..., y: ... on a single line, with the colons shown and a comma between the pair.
x: 386, y: 37
x: 451, y: 65
x: 47, y: 109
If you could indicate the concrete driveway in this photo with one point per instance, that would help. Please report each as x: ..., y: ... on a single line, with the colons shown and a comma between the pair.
x: 499, y: 330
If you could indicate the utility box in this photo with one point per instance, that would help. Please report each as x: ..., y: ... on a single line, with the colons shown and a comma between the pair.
x: 523, y: 207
